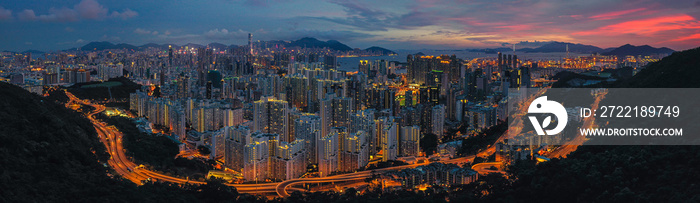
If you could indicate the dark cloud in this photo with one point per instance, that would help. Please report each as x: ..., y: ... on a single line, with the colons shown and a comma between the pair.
x: 420, y: 23
x: 86, y: 9
x: 356, y: 9
x: 262, y: 3
x: 5, y: 14
x: 90, y: 9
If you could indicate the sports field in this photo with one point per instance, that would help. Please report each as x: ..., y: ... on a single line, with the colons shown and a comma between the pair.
x: 104, y: 84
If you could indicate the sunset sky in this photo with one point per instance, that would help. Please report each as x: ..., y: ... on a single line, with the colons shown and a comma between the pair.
x: 433, y: 24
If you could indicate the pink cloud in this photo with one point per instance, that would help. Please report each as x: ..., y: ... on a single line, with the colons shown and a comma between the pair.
x: 646, y: 27
x: 27, y: 14
x: 126, y: 14
x: 5, y: 14
x: 615, y: 14
x: 691, y: 37
x: 91, y: 9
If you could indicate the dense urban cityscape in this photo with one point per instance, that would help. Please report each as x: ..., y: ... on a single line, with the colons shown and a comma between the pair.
x: 306, y: 120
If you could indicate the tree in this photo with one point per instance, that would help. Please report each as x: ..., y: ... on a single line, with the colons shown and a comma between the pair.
x: 216, y: 191
x: 428, y: 143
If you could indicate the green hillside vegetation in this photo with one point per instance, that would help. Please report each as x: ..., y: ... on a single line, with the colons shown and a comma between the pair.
x: 104, y: 84
x: 679, y: 70
x: 49, y: 153
x: 617, y: 173
x: 157, y: 152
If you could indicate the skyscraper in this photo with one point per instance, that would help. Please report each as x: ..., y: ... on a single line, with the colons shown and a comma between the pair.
x: 500, y: 61
x: 355, y: 153
x: 255, y: 161
x: 411, y: 71
x: 235, y: 146
x: 170, y: 56
x: 437, y: 120
x: 330, y: 61
x: 162, y: 75
x: 204, y: 59
x: 289, y: 161
x: 308, y: 128
x: 328, y: 153
x: 389, y: 137
x: 335, y: 112
x: 270, y: 116
x: 410, y: 140
x: 250, y: 43
x: 364, y: 121
x: 183, y: 84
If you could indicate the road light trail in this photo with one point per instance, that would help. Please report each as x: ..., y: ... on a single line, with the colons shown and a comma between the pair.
x: 121, y: 164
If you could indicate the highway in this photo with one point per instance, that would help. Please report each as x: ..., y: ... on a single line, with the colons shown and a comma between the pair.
x: 484, y: 168
x: 588, y: 122
x: 121, y: 164
x: 111, y: 138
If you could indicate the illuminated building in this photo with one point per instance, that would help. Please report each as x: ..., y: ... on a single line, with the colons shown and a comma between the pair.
x: 250, y: 43
x: 290, y: 161
x: 270, y: 116
x: 335, y: 112
x: 355, y: 153
x: 235, y: 146
x: 389, y: 139
x: 255, y: 161
x: 260, y: 148
x: 183, y: 87
x: 308, y: 128
x: 106, y: 72
x: 328, y: 153
x: 232, y: 117
x: 410, y: 141
x: 437, y: 120
x: 330, y: 61
x: 218, y: 144
x: 364, y: 121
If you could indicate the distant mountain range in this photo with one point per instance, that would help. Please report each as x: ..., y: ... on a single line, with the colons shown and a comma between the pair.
x: 561, y: 47
x: 306, y: 42
x: 380, y: 50
x: 623, y: 50
x: 309, y: 42
x: 643, y: 50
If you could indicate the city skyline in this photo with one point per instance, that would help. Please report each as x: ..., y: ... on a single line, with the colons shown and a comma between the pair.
x: 519, y: 100
x: 54, y: 25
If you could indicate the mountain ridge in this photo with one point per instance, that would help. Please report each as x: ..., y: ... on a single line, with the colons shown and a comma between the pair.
x: 305, y: 42
x: 645, y: 50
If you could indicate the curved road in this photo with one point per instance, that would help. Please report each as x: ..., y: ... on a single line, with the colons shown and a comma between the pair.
x: 111, y: 138
x: 484, y: 168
